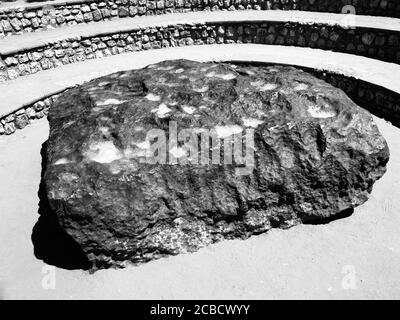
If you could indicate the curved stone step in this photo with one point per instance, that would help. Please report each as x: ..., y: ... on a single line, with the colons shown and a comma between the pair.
x: 18, y: 97
x: 376, y: 37
x: 15, y: 18
x: 30, y: 41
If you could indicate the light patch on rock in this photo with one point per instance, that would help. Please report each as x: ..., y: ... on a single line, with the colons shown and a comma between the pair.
x: 68, y: 124
x: 316, y: 112
x: 165, y: 68
x: 177, y: 152
x: 209, y: 67
x: 180, y: 70
x: 62, y: 161
x: 251, y: 122
x: 162, y: 110
x: 103, y: 152
x: 210, y: 74
x: 263, y: 86
x: 268, y: 86
x: 97, y: 109
x: 110, y: 101
x: 143, y: 145
x: 274, y: 127
x: 307, y: 207
x: 200, y: 130
x: 188, y: 109
x: 226, y: 131
x: 102, y: 84
x: 115, y: 169
x: 138, y: 129
x: 249, y: 72
x: 69, y: 177
x: 301, y: 86
x: 104, y: 130
x: 227, y: 76
x: 153, y: 97
x: 202, y: 89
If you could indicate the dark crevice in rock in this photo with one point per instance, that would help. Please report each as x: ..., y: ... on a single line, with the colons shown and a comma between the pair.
x: 51, y: 243
x: 317, y: 221
x: 321, y: 141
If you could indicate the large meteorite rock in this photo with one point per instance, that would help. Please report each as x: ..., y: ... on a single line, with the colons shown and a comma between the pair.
x: 315, y: 154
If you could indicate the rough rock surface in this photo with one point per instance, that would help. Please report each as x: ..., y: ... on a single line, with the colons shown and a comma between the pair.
x: 316, y: 155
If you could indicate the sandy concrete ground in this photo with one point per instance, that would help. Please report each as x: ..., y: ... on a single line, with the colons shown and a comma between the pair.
x: 356, y: 257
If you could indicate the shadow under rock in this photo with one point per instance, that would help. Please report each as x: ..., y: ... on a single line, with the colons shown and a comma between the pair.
x: 50, y: 242
x: 341, y: 215
x: 55, y: 247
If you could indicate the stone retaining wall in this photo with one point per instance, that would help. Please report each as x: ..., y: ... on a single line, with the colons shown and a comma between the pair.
x: 379, y: 101
x: 24, y: 116
x: 372, y: 43
x: 52, y: 15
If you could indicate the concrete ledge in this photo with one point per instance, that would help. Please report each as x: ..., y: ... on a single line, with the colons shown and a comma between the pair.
x: 19, y: 95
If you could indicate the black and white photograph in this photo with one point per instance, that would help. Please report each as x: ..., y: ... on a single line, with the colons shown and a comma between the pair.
x: 226, y: 151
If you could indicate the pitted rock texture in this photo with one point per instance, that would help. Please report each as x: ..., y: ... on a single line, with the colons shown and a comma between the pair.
x: 316, y: 155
